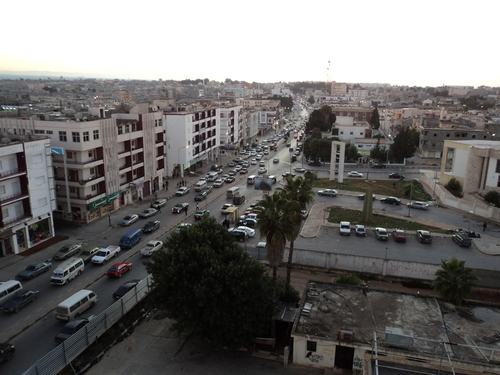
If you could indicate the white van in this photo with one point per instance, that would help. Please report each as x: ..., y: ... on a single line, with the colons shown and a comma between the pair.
x: 232, y: 192
x: 8, y: 289
x: 200, y: 185
x: 251, y: 180
x: 76, y: 304
x: 67, y: 271
x: 212, y: 176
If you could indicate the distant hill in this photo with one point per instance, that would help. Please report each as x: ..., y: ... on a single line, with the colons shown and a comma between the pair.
x: 42, y: 75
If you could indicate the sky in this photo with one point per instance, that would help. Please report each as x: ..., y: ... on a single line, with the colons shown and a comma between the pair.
x: 414, y: 43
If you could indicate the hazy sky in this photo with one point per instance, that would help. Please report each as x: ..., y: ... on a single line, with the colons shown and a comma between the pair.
x: 423, y: 43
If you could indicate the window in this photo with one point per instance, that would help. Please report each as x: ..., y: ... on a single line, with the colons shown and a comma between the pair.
x: 86, y: 136
x: 63, y: 137
x: 96, y: 134
x: 76, y: 136
x: 496, y: 170
x: 120, y: 130
x: 38, y: 131
x: 5, y: 212
x: 50, y: 132
x: 72, y: 190
x: 94, y: 187
x: 498, y: 182
x: 311, y: 346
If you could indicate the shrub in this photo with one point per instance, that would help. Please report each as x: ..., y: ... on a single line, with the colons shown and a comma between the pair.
x: 349, y: 279
x: 493, y: 197
x: 453, y: 185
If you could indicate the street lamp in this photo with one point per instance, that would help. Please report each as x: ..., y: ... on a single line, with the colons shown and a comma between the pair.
x: 181, y: 165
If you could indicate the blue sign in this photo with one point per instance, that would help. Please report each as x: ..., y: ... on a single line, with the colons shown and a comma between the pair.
x: 57, y: 150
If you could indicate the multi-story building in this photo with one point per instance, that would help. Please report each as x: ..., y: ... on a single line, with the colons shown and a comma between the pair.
x: 357, y: 113
x: 230, y: 125
x: 27, y: 196
x: 338, y: 88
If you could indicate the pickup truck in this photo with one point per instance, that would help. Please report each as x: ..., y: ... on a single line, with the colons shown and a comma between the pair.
x: 106, y: 254
x: 224, y: 208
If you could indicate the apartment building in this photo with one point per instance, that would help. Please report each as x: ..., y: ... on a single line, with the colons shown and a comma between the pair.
x: 338, y: 88
x: 230, y: 119
x: 102, y: 164
x: 358, y: 113
x: 27, y: 196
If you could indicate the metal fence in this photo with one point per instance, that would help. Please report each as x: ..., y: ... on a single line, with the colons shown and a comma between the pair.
x: 63, y: 354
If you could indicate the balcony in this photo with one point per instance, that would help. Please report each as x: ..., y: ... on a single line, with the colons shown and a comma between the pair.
x: 6, y: 199
x: 11, y: 173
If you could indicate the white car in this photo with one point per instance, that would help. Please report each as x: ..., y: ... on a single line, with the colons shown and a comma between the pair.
x: 262, y: 170
x: 182, y: 191
x: 345, y: 228
x: 250, y: 232
x: 329, y: 192
x: 354, y: 174
x: 276, y: 160
x: 382, y: 234
x: 253, y: 161
x: 300, y: 170
x: 258, y: 156
x: 419, y: 205
x: 151, y: 247
x: 218, y: 183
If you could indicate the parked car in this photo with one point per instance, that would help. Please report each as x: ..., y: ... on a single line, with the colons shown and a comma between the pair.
x: 129, y: 219
x: 345, y: 228
x: 19, y: 300
x: 391, y: 200
x: 159, y: 203
x: 250, y: 232
x: 396, y: 175
x: 362, y: 196
x: 151, y: 247
x: 251, y: 223
x: 183, y: 190
x: 424, y: 236
x: 7, y: 351
x: 299, y: 169
x: 201, y: 214
x: 88, y: 254
x: 304, y: 214
x: 379, y: 165
x: 118, y: 269
x: 288, y: 174
x: 239, y: 235
x: 381, y: 234
x: 148, y: 212
x: 151, y: 226
x: 125, y: 288
x: 399, y: 235
x: 360, y: 230
x: 67, y: 251
x: 71, y: 328
x: 354, y: 174
x: 182, y: 225
x: 328, y: 192
x: 315, y: 163
x: 418, y: 205
x: 33, y: 270
x: 180, y: 207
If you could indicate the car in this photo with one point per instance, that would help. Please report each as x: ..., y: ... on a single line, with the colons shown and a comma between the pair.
x: 231, y: 164
x: 88, y: 254
x: 262, y: 163
x: 396, y: 175
x: 71, y: 328
x: 207, y: 189
x: 304, y: 214
x: 33, y: 270
x: 183, y: 190
x: 118, y: 269
x: 182, y: 225
x: 201, y: 214
x: 399, y: 235
x: 180, y: 207
x: 418, y: 205
x: 328, y: 192
x: 262, y: 170
x: 253, y: 161
x: 129, y: 219
x: 251, y: 223
x: 362, y: 197
x: 243, y: 171
x: 159, y: 203
x: 67, y: 251
x: 246, y: 164
x: 379, y: 166
x: 148, y: 212
x: 276, y: 160
x: 125, y: 288
x: 215, y: 167
x: 424, y: 236
x: 230, y: 179
x: 224, y: 208
x: 294, y: 158
x: 151, y: 247
x: 238, y: 168
x: 250, y: 232
x: 360, y: 230
x: 266, y: 152
x: 151, y: 226
x: 381, y: 234
x: 232, y: 173
x: 354, y: 174
x: 391, y: 200
x: 200, y: 196
x: 7, y: 351
x: 19, y: 300
x: 345, y: 228
x: 258, y: 156
x: 224, y: 177
x: 299, y: 169
x: 239, y: 235
x: 288, y: 174
x: 218, y: 183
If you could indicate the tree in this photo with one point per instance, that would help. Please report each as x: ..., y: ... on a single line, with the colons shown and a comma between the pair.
x: 326, y: 111
x: 311, y: 100
x: 375, y: 119
x: 351, y: 153
x: 454, y: 281
x: 210, y: 286
x: 379, y: 153
x: 405, y: 144
x: 298, y: 191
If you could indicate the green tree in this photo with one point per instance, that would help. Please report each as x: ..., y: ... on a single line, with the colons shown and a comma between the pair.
x: 375, y: 119
x: 326, y: 111
x: 405, y: 144
x: 209, y: 286
x: 351, y: 153
x: 311, y: 100
x: 379, y: 153
x: 317, y: 120
x: 298, y: 191
x: 454, y: 281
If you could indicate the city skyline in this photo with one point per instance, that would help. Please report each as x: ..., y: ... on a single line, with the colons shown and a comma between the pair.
x: 418, y: 44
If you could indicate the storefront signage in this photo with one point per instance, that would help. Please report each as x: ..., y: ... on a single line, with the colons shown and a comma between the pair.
x: 104, y: 200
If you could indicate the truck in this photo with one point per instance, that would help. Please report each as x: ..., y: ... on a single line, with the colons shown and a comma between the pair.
x: 232, y: 214
x: 106, y: 254
x: 225, y: 207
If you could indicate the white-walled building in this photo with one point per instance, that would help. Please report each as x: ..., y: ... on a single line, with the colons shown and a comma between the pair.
x: 351, y: 132
x: 27, y: 196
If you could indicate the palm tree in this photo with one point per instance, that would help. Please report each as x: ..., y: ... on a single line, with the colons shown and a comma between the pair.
x: 454, y: 281
x: 299, y: 192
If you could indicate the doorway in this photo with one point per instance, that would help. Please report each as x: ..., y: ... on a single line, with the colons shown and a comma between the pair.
x: 343, y: 357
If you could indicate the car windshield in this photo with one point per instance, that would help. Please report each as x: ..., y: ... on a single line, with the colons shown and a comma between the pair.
x: 16, y: 298
x: 127, y: 218
x: 113, y: 269
x: 68, y: 330
x: 101, y: 254
x: 30, y: 268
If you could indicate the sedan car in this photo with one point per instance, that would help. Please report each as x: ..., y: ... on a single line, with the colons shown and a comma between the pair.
x: 239, y: 235
x: 218, y: 183
x: 253, y: 161
x: 129, y: 219
x: 381, y: 234
x: 250, y: 232
x: 424, y: 236
x: 182, y: 225
x: 151, y: 247
x: 276, y: 160
x: 148, y: 212
x: 328, y: 192
x: 354, y: 174
x: 33, y: 270
x: 87, y: 254
x: 200, y: 214
x: 391, y: 200
x: 399, y: 235
x: 232, y: 173
x: 182, y: 191
x: 67, y: 251
x: 19, y: 300
x: 360, y: 230
x: 243, y: 171
x: 418, y: 205
x: 118, y: 269
x: 200, y: 196
x: 230, y: 179
x: 251, y: 223
x: 299, y: 169
x: 180, y: 207
x: 396, y: 175
x: 262, y: 170
x: 362, y: 197
x: 151, y: 226
x: 288, y: 174
x: 70, y: 328
x: 125, y: 288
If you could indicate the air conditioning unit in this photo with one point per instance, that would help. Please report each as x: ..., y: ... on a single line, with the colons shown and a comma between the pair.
x: 345, y: 335
x: 398, y: 337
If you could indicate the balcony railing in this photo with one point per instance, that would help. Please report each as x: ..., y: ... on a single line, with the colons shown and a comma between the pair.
x: 11, y: 172
x: 5, y: 198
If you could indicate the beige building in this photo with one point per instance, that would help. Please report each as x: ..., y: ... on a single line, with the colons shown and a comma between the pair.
x: 338, y: 88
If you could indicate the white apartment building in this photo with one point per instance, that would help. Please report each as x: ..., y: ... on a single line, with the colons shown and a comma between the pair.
x: 27, y: 196
x: 230, y: 119
x: 351, y: 132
